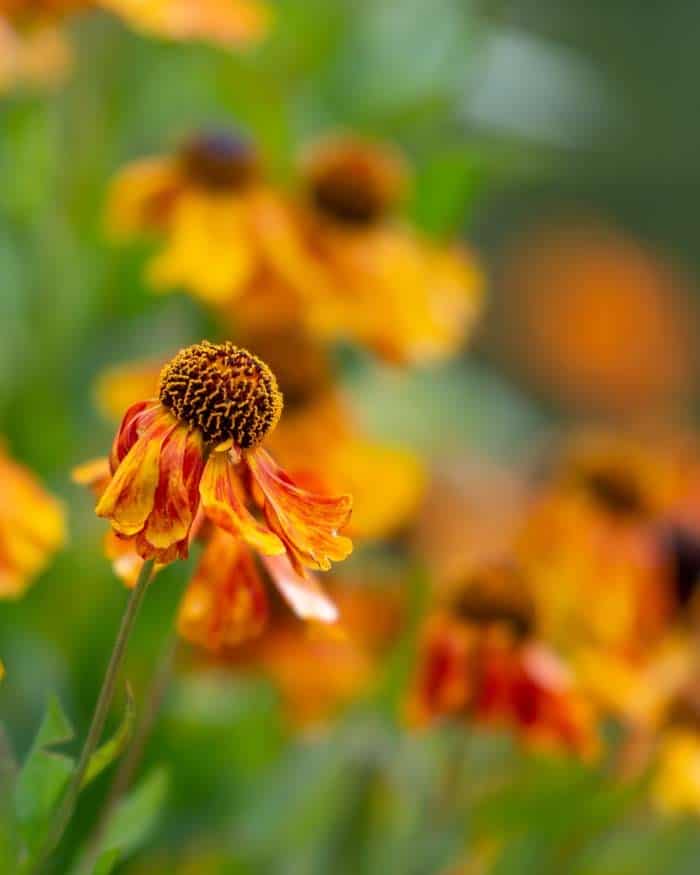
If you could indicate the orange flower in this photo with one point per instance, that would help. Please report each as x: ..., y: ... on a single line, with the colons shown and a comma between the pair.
x: 195, y: 454
x: 360, y: 274
x: 592, y: 546
x: 317, y: 671
x: 318, y: 439
x: 32, y: 527
x: 225, y: 22
x: 569, y: 289
x: 204, y: 203
x: 483, y: 665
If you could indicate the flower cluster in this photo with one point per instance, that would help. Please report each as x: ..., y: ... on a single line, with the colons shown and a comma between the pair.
x: 334, y: 257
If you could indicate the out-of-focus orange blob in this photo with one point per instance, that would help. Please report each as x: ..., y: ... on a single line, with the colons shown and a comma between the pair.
x: 597, y: 319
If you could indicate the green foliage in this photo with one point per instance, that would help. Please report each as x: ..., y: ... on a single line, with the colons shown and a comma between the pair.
x: 112, y: 749
x: 43, y: 776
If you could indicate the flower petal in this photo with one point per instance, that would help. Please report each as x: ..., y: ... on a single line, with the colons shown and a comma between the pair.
x: 225, y: 604
x: 128, y: 499
x: 303, y: 594
x: 220, y: 491
x: 308, y: 522
x: 177, y: 495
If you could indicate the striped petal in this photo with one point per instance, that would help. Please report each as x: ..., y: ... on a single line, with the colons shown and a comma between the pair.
x: 222, y: 500
x: 307, y: 522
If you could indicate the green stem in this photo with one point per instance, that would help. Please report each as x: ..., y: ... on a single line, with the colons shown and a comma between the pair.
x: 70, y: 798
x: 132, y: 759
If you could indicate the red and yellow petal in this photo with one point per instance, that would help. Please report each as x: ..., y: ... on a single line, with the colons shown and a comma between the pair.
x: 303, y: 594
x: 308, y: 523
x: 225, y: 604
x: 177, y: 495
x: 129, y: 498
x: 223, y: 503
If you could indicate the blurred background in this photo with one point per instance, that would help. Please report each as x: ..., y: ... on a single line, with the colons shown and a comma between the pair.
x: 555, y: 141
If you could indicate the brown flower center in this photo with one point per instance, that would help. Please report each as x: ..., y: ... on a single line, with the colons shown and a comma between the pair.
x: 219, y: 161
x: 354, y: 182
x: 224, y: 391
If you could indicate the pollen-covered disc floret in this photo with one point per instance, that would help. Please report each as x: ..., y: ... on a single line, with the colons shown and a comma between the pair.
x: 224, y: 391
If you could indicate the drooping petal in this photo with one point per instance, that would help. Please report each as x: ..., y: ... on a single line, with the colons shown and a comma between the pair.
x: 134, y: 422
x: 128, y: 499
x: 307, y: 522
x: 303, y: 594
x: 225, y: 603
x: 223, y: 503
x: 177, y: 495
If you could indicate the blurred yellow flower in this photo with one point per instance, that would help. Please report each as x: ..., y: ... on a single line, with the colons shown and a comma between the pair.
x: 32, y: 527
x: 362, y: 274
x: 676, y: 787
x: 225, y: 22
x: 592, y: 550
x: 203, y: 204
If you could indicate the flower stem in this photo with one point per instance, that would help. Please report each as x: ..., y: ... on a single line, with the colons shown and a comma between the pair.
x: 99, y: 717
x: 132, y: 759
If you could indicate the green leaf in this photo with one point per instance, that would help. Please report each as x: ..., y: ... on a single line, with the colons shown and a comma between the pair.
x: 44, y: 775
x: 110, y: 750
x: 133, y: 820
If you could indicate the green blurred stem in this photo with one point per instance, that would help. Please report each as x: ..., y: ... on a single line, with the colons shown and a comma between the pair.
x: 68, y: 803
x: 134, y: 755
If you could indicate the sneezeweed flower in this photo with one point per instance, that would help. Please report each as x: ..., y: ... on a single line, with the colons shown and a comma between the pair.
x: 592, y: 545
x: 202, y: 203
x: 227, y: 23
x: 32, y: 527
x: 480, y: 661
x: 195, y: 454
x: 362, y: 274
x: 318, y: 439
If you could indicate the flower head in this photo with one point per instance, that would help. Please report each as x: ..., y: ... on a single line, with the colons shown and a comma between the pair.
x: 358, y: 272
x: 203, y: 204
x: 32, y: 527
x: 479, y: 660
x: 195, y: 454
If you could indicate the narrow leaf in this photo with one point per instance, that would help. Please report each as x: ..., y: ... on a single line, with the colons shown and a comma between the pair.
x: 110, y: 750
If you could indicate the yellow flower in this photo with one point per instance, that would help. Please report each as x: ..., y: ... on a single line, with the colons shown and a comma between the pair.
x: 194, y: 454
x: 32, y: 527
x: 360, y: 273
x: 676, y: 787
x: 225, y: 22
x: 203, y: 203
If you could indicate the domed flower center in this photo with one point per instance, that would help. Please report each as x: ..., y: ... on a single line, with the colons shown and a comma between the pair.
x: 224, y: 391
x: 354, y: 183
x: 219, y: 161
